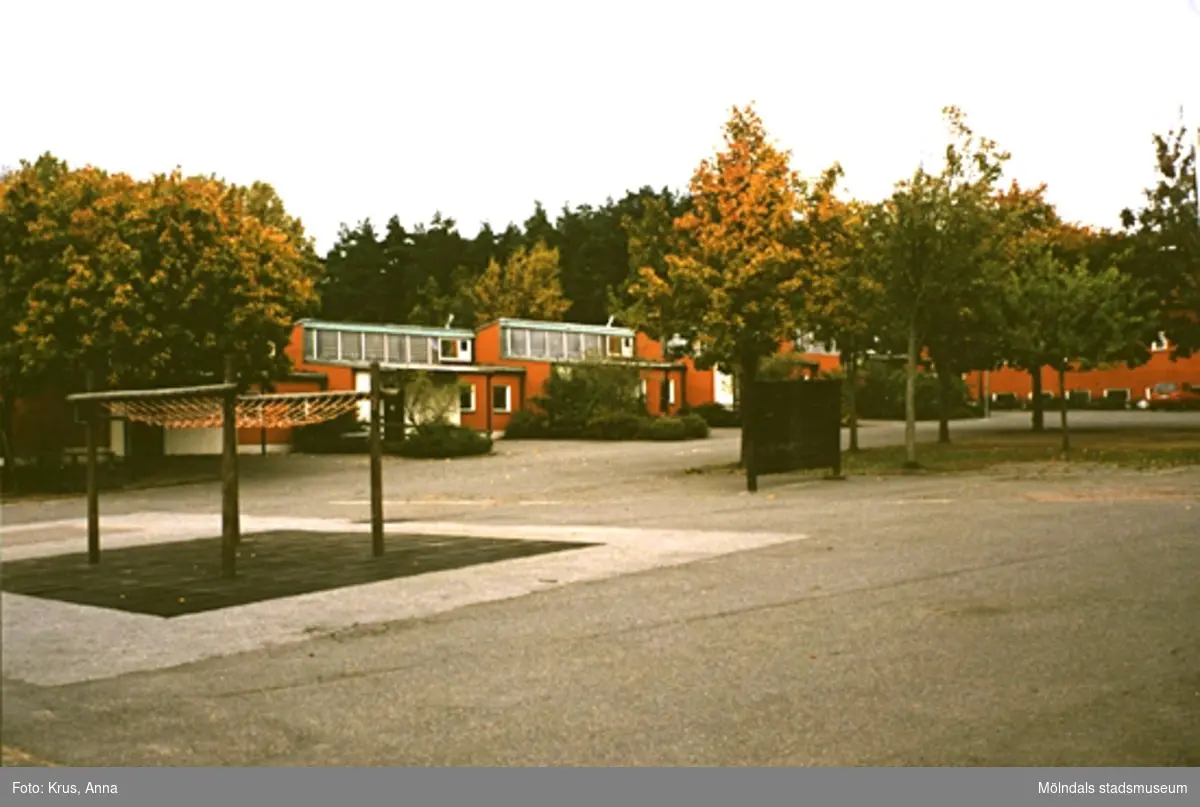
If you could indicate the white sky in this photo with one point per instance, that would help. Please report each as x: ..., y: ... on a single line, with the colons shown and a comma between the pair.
x: 477, y: 109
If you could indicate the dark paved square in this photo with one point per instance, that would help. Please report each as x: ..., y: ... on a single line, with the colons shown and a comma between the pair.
x: 173, y: 579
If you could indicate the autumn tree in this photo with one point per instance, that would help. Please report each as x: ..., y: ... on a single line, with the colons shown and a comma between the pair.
x: 145, y: 282
x: 930, y: 238
x: 1167, y: 239
x: 525, y: 286
x: 735, y: 274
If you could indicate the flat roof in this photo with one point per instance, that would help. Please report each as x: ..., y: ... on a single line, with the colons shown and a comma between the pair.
x: 395, y: 330
x: 391, y: 367
x: 568, y: 327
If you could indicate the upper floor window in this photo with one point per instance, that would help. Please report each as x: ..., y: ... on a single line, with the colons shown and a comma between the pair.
x: 557, y: 345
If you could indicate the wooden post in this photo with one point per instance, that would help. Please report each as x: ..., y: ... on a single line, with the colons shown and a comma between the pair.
x: 93, y: 493
x: 230, y: 528
x: 487, y: 401
x: 376, y: 464
x: 262, y: 437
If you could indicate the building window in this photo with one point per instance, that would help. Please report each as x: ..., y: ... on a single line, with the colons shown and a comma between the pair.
x: 556, y: 345
x: 466, y: 398
x: 464, y: 346
x: 502, y: 398
x: 537, y: 344
x: 517, y: 342
x: 374, y: 347
x: 418, y: 350
x: 327, y: 345
x: 396, y: 353
x: 593, y: 345
x: 1117, y: 395
x: 449, y: 348
x: 352, y: 345
x: 574, y: 346
x: 614, y: 346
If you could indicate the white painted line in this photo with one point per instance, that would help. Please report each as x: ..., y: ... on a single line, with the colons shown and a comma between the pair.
x: 43, y: 525
x: 428, y: 502
x: 921, y: 501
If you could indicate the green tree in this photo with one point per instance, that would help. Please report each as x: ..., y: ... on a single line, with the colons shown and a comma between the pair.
x: 1065, y: 317
x: 1167, y: 230
x: 930, y: 239
x: 360, y: 280
x: 844, y: 302
x: 525, y: 286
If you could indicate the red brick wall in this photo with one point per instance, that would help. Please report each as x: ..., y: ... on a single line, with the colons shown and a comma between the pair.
x: 1159, y: 369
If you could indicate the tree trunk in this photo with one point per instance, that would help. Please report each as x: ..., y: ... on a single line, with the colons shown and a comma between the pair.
x: 1062, y: 409
x: 747, y: 375
x: 852, y: 396
x: 943, y: 405
x: 910, y: 399
x: 7, y: 437
x: 1039, y: 417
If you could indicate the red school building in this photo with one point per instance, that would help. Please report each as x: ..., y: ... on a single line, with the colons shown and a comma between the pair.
x: 1131, y: 384
x: 501, y: 367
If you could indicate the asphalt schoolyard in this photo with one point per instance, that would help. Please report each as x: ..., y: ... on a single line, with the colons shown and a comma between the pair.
x: 1021, y: 616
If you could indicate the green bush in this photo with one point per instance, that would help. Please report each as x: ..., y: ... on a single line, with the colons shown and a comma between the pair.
x: 442, y: 441
x: 717, y: 416
x: 525, y: 424
x: 881, y: 394
x: 614, y: 427
x: 577, y: 394
x: 696, y: 426
x: 665, y: 428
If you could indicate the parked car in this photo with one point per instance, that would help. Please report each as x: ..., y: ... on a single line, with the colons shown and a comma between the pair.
x: 1169, y: 395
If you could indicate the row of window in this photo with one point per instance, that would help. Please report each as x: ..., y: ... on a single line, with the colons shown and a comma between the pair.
x: 1081, y: 394
x: 356, y: 346
x: 501, y: 399
x: 532, y: 343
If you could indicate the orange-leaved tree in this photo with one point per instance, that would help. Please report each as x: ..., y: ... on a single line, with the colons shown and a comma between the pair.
x: 734, y: 277
x: 146, y: 283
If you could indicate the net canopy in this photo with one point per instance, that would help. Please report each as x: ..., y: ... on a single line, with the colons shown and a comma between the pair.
x: 202, y: 407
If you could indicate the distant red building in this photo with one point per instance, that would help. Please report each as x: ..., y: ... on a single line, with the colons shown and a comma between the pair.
x: 1129, y: 383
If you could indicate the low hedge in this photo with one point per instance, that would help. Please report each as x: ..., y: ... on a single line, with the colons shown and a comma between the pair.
x: 665, y: 428
x: 717, y: 416
x: 443, y: 441
x: 697, y: 427
x: 624, y: 426
x: 614, y: 427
